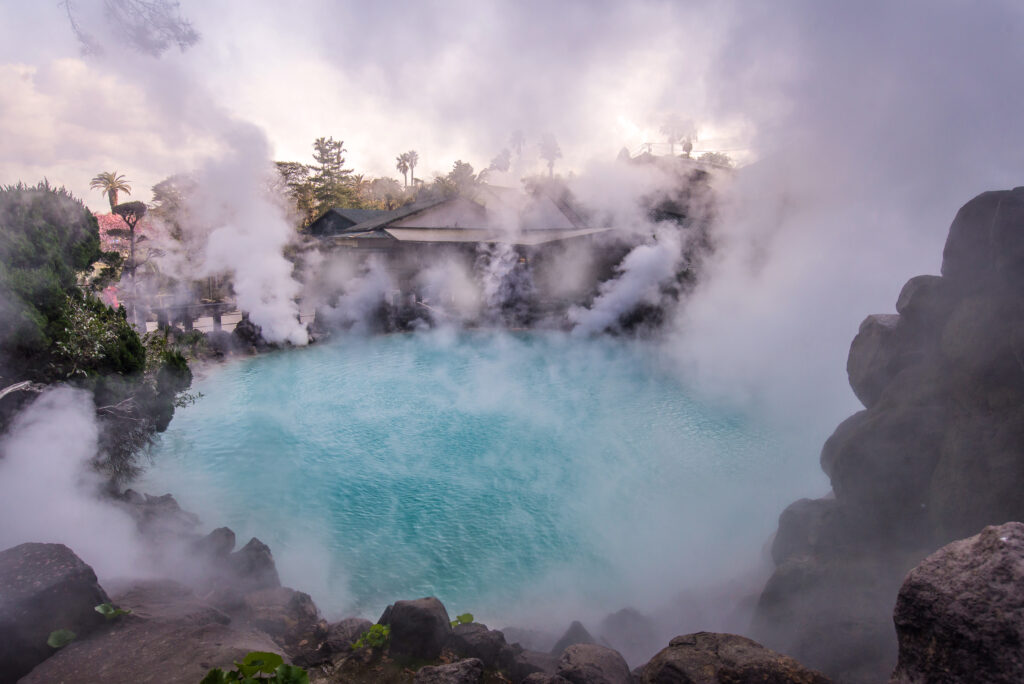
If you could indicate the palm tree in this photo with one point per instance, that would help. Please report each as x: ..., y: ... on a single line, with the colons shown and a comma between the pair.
x: 402, y: 164
x: 413, y: 158
x: 110, y: 183
x: 550, y: 151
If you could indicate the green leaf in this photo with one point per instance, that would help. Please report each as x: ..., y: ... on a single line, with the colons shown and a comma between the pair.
x: 60, y: 638
x: 465, y: 618
x: 215, y: 676
x: 265, y: 663
x: 291, y: 674
x: 110, y: 612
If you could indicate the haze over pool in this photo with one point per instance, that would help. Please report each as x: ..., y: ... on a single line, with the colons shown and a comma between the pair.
x: 502, y: 473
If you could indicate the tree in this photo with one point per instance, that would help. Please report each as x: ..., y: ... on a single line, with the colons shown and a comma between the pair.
x: 413, y: 158
x: 517, y: 141
x: 330, y: 179
x: 402, y: 165
x: 110, y: 183
x: 502, y: 161
x: 550, y: 151
x: 458, y: 180
x: 296, y: 177
x: 675, y: 129
x: 149, y: 26
x: 131, y: 213
x: 716, y: 159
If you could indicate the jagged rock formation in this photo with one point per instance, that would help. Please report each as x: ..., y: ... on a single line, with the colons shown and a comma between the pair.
x: 960, y: 613
x: 937, y: 453
x: 43, y: 588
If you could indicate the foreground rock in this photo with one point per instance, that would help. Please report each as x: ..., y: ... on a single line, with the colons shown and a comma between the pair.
x: 419, y: 629
x: 469, y: 671
x: 960, y: 613
x: 707, y: 658
x: 43, y: 588
x: 171, y: 636
x: 935, y: 456
x: 593, y: 664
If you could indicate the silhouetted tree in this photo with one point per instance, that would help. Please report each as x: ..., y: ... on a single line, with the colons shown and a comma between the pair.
x: 550, y: 151
x: 149, y: 26
x: 413, y: 158
x: 330, y: 179
x: 402, y: 165
x: 716, y: 158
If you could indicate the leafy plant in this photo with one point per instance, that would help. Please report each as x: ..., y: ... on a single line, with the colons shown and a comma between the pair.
x: 259, y: 666
x: 375, y: 637
x: 463, y: 619
x: 110, y: 611
x: 59, y: 638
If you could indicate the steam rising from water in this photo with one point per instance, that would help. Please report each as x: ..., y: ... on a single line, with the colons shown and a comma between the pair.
x: 522, y: 478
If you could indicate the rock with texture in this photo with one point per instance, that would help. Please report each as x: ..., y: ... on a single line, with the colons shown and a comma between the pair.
x: 631, y: 633
x: 469, y: 671
x: 419, y: 629
x: 593, y: 664
x: 43, y: 588
x: 290, y: 617
x: 252, y: 567
x: 708, y: 658
x: 171, y: 636
x: 960, y: 613
x: 474, y: 640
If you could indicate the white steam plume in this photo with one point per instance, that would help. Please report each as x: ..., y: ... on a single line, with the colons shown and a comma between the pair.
x: 641, y: 273
x: 50, y: 493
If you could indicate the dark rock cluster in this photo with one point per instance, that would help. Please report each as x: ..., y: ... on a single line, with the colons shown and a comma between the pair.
x: 937, y: 454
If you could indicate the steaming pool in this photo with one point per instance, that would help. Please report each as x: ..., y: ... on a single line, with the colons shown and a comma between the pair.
x: 502, y: 473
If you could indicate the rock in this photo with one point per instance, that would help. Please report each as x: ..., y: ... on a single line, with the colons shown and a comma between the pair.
x: 474, y: 640
x: 804, y: 527
x: 630, y: 633
x: 469, y: 671
x: 960, y: 613
x: 523, y: 663
x: 216, y: 545
x: 252, y: 568
x: 171, y: 636
x: 709, y: 658
x: 43, y: 588
x: 419, y: 629
x: 290, y: 617
x: 593, y: 664
x: 159, y: 517
x: 875, y: 357
x: 576, y: 634
x: 541, y: 678
x: 341, y: 635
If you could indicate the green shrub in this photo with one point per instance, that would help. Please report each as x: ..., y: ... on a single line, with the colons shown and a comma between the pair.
x: 259, y: 666
x: 377, y: 636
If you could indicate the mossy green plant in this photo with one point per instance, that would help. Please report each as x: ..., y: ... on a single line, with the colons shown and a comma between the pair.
x: 259, y: 667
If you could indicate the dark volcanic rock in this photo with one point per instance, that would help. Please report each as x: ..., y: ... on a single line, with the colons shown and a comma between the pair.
x: 171, y: 636
x: 937, y: 455
x: 707, y: 658
x: 342, y: 634
x: 476, y: 641
x: 593, y: 664
x: 43, y: 587
x: 290, y: 617
x: 522, y: 663
x: 960, y: 613
x: 419, y: 629
x: 469, y: 671
x: 216, y: 545
x: 253, y: 567
x: 542, y: 678
x: 576, y: 634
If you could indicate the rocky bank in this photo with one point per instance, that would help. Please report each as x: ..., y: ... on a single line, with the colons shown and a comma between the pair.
x: 936, y: 454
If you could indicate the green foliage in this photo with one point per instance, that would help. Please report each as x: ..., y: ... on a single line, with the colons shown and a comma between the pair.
x: 259, y: 666
x: 375, y: 637
x: 331, y: 181
x: 60, y: 638
x: 463, y: 619
x: 109, y: 611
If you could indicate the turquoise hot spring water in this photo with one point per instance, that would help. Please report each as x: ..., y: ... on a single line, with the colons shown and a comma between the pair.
x: 507, y: 474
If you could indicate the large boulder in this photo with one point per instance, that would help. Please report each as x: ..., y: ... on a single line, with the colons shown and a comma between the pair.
x: 474, y: 640
x: 469, y: 671
x: 43, y: 588
x: 171, y: 636
x: 985, y: 245
x: 252, y: 567
x: 419, y: 629
x: 960, y: 613
x: 708, y: 658
x: 593, y: 664
x: 875, y: 357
